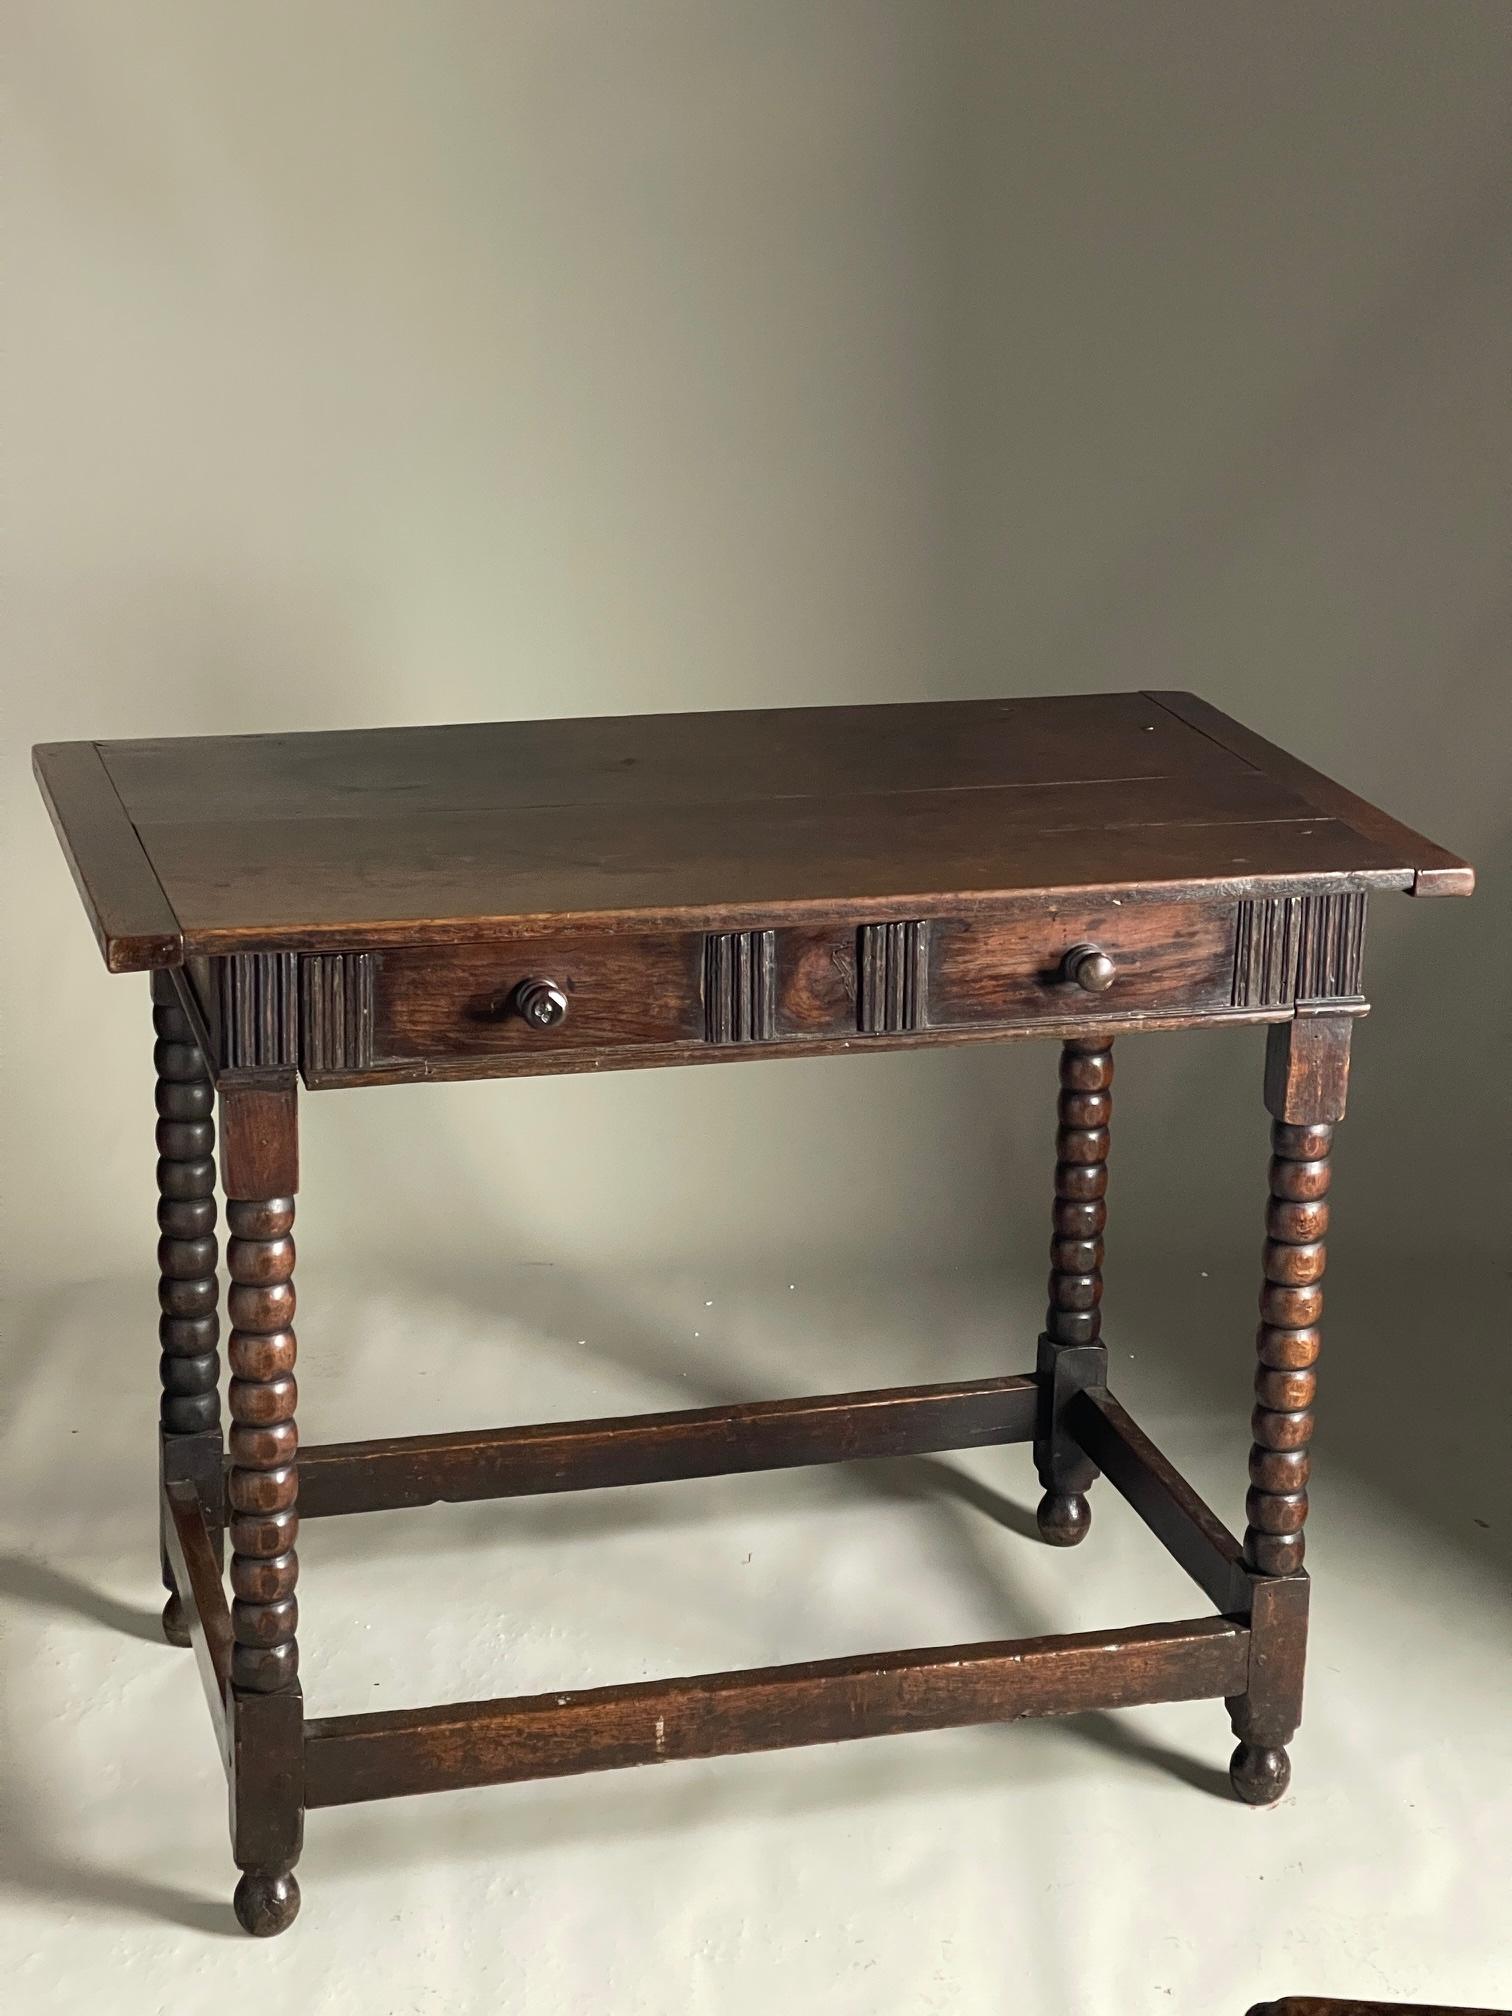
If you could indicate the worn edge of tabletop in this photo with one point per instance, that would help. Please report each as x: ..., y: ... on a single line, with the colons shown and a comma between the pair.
x: 1440, y: 873
x: 133, y: 922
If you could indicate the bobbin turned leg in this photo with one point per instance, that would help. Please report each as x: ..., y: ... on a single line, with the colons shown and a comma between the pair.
x: 265, y: 1710
x: 1306, y: 1079
x: 190, y: 1447
x: 1071, y: 1354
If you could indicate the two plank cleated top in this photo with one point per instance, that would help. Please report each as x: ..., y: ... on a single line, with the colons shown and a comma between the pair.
x: 207, y: 846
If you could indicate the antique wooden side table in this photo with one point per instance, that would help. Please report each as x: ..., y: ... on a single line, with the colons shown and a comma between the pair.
x: 475, y: 902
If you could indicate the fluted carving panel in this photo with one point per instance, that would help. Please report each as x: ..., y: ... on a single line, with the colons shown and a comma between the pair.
x: 892, y: 976
x: 1299, y: 948
x: 740, y: 986
x: 336, y: 1011
x: 259, y: 1010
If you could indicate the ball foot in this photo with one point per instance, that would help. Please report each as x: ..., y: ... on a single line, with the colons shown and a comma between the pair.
x: 175, y: 1620
x: 1259, y: 1776
x: 1064, y: 1518
x: 266, y: 1902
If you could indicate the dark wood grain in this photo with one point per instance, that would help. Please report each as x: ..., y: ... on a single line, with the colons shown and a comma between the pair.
x: 739, y: 986
x: 1084, y: 1110
x: 1287, y: 1346
x: 1071, y: 1356
x: 619, y: 1055
x: 1314, y: 2005
x: 664, y: 991
x: 460, y: 1001
x: 648, y: 759
x: 1307, y: 1075
x: 1436, y: 872
x: 819, y: 983
x: 195, y: 987
x: 551, y: 897
x: 196, y: 1569
x: 388, y: 1755
x: 1195, y: 1537
x: 189, y: 1430
x: 196, y: 1462
x: 265, y: 1709
x: 1299, y: 948
x: 655, y: 1448
x: 1268, y: 1713
x: 259, y: 1139
x: 892, y: 976
x: 257, y: 1011
x: 1306, y: 1082
x: 132, y: 920
x: 661, y: 998
x: 337, y: 1005
x: 266, y: 1756
x: 188, y: 1292
x: 1172, y: 958
x: 1307, y: 1069
x: 329, y: 884
x: 263, y: 1485
x: 724, y: 822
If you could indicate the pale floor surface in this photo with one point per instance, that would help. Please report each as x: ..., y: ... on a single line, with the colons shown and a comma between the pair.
x: 1052, y: 1869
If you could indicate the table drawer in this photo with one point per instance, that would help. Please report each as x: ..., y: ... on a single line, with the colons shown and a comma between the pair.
x: 1013, y: 969
x: 1149, y: 958
x: 533, y: 996
x: 582, y: 1001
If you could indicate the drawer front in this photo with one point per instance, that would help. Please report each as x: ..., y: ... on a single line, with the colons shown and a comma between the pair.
x: 581, y: 1001
x: 477, y: 1000
x: 1008, y: 970
x: 535, y: 998
x: 1167, y: 959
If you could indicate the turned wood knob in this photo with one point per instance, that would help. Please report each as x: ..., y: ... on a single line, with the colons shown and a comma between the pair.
x: 541, y: 1002
x: 1090, y: 968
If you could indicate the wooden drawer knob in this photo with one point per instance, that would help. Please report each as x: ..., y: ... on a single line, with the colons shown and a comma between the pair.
x: 1090, y: 968
x: 541, y: 1002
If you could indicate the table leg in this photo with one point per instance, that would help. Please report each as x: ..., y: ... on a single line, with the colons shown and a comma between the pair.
x: 265, y: 1709
x: 1071, y: 1354
x: 190, y: 1446
x: 1306, y: 1080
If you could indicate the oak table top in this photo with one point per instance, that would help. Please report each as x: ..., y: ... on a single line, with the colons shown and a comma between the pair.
x: 203, y: 846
